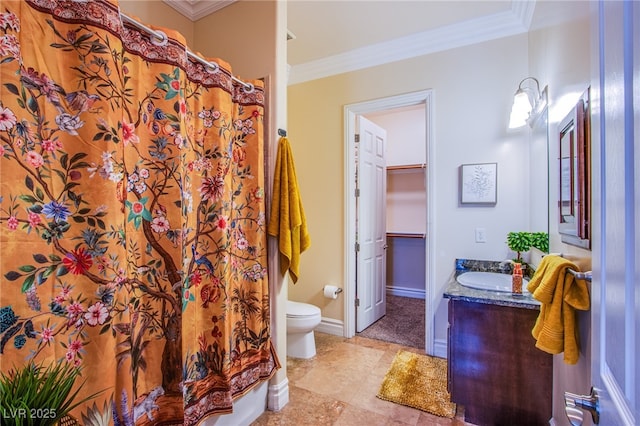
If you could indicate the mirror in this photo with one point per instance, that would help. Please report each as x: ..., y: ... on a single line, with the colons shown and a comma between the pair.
x: 574, y: 162
x: 539, y: 166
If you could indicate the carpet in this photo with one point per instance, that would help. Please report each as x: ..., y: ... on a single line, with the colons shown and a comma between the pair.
x: 403, y: 323
x: 418, y: 381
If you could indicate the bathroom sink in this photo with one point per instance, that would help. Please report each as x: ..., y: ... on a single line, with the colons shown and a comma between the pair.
x: 492, y: 281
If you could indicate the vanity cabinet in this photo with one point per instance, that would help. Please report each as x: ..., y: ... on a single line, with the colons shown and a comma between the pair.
x: 495, y: 370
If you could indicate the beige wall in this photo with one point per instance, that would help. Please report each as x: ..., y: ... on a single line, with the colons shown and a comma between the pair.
x: 159, y: 14
x: 473, y: 88
x: 243, y: 34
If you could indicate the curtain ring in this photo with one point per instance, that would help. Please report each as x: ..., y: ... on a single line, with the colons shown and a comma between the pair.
x: 248, y: 87
x: 159, y: 38
x: 212, y: 67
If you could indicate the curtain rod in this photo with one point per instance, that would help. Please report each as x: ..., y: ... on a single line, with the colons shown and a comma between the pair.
x: 161, y: 39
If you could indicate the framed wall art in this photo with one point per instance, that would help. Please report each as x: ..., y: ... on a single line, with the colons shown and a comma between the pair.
x: 478, y: 184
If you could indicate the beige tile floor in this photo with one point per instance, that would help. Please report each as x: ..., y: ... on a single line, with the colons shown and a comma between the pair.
x: 338, y: 387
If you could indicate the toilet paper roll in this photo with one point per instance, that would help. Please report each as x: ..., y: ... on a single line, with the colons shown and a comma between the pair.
x: 331, y: 291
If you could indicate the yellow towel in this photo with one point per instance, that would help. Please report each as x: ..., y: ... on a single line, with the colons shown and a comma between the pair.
x: 287, y: 221
x: 556, y: 329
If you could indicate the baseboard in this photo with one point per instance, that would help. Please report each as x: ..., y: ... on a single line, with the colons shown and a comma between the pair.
x: 278, y: 395
x: 331, y: 326
x: 440, y: 348
x: 405, y: 292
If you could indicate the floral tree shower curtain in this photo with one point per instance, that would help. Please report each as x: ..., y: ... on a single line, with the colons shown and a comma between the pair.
x: 132, y: 215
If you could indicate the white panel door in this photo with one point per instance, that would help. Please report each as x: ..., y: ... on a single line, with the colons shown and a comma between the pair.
x: 616, y: 280
x: 372, y: 239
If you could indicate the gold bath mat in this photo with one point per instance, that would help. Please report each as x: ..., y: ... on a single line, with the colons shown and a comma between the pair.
x: 418, y: 381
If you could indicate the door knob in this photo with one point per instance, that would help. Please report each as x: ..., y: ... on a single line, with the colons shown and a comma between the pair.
x: 573, y: 403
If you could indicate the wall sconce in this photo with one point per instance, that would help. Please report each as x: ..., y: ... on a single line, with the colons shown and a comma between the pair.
x: 528, y: 102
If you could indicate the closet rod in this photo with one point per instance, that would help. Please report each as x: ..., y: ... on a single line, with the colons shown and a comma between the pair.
x: 405, y: 235
x: 407, y: 166
x: 161, y: 38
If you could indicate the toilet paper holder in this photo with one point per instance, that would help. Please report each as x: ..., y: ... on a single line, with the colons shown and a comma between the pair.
x: 331, y: 291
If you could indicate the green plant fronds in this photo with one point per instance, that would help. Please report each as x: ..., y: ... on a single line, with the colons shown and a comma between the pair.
x: 39, y: 395
x: 521, y: 242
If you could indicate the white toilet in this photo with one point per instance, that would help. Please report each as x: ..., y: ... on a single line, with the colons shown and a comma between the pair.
x: 302, y: 318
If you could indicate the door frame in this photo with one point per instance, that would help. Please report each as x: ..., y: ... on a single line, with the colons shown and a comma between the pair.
x: 351, y: 111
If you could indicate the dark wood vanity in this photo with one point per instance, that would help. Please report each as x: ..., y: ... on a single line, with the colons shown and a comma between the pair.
x: 495, y: 370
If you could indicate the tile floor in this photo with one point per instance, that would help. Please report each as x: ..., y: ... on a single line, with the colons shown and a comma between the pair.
x: 338, y: 387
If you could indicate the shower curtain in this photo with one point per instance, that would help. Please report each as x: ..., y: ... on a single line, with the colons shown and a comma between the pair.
x: 132, y: 215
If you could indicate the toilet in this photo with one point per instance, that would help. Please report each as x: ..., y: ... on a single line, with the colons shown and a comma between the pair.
x: 302, y: 319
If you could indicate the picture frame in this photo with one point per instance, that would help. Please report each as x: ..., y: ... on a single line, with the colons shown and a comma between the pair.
x: 479, y: 184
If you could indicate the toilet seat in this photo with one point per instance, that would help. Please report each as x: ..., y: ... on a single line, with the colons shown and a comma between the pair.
x: 301, y: 310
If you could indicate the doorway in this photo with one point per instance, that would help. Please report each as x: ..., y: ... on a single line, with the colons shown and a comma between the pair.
x: 352, y: 113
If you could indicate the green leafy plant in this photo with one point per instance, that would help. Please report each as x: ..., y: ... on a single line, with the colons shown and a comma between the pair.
x: 540, y: 240
x: 38, y: 395
x: 519, y: 242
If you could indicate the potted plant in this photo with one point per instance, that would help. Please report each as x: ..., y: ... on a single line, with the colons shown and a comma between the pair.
x: 519, y: 242
x: 540, y: 240
x: 38, y: 395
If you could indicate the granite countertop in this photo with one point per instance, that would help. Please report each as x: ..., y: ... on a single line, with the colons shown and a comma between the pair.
x: 456, y: 291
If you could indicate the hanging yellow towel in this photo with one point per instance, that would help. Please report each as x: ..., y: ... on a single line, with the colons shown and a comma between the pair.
x: 556, y: 329
x: 287, y: 221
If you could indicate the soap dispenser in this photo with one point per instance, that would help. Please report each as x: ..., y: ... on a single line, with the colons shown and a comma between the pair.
x: 516, y: 279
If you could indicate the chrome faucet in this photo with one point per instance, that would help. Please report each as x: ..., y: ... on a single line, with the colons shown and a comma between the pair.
x: 506, y: 265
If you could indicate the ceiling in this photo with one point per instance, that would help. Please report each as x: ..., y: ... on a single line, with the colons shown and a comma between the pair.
x: 335, y: 36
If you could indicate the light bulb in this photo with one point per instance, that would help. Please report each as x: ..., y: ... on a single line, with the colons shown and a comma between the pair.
x: 520, y: 111
x: 521, y: 102
x: 517, y: 120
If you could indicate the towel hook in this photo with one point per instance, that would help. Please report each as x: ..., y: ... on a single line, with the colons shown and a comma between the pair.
x: 282, y: 133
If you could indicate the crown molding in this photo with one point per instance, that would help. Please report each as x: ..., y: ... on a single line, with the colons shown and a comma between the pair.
x: 197, y: 9
x: 505, y: 24
x: 523, y: 11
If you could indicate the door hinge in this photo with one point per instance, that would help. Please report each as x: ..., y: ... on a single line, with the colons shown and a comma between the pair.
x: 357, y: 247
x: 357, y: 137
x: 357, y: 192
x: 357, y: 302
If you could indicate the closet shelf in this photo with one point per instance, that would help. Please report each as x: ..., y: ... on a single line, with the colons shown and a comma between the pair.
x: 407, y: 167
x: 405, y: 235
